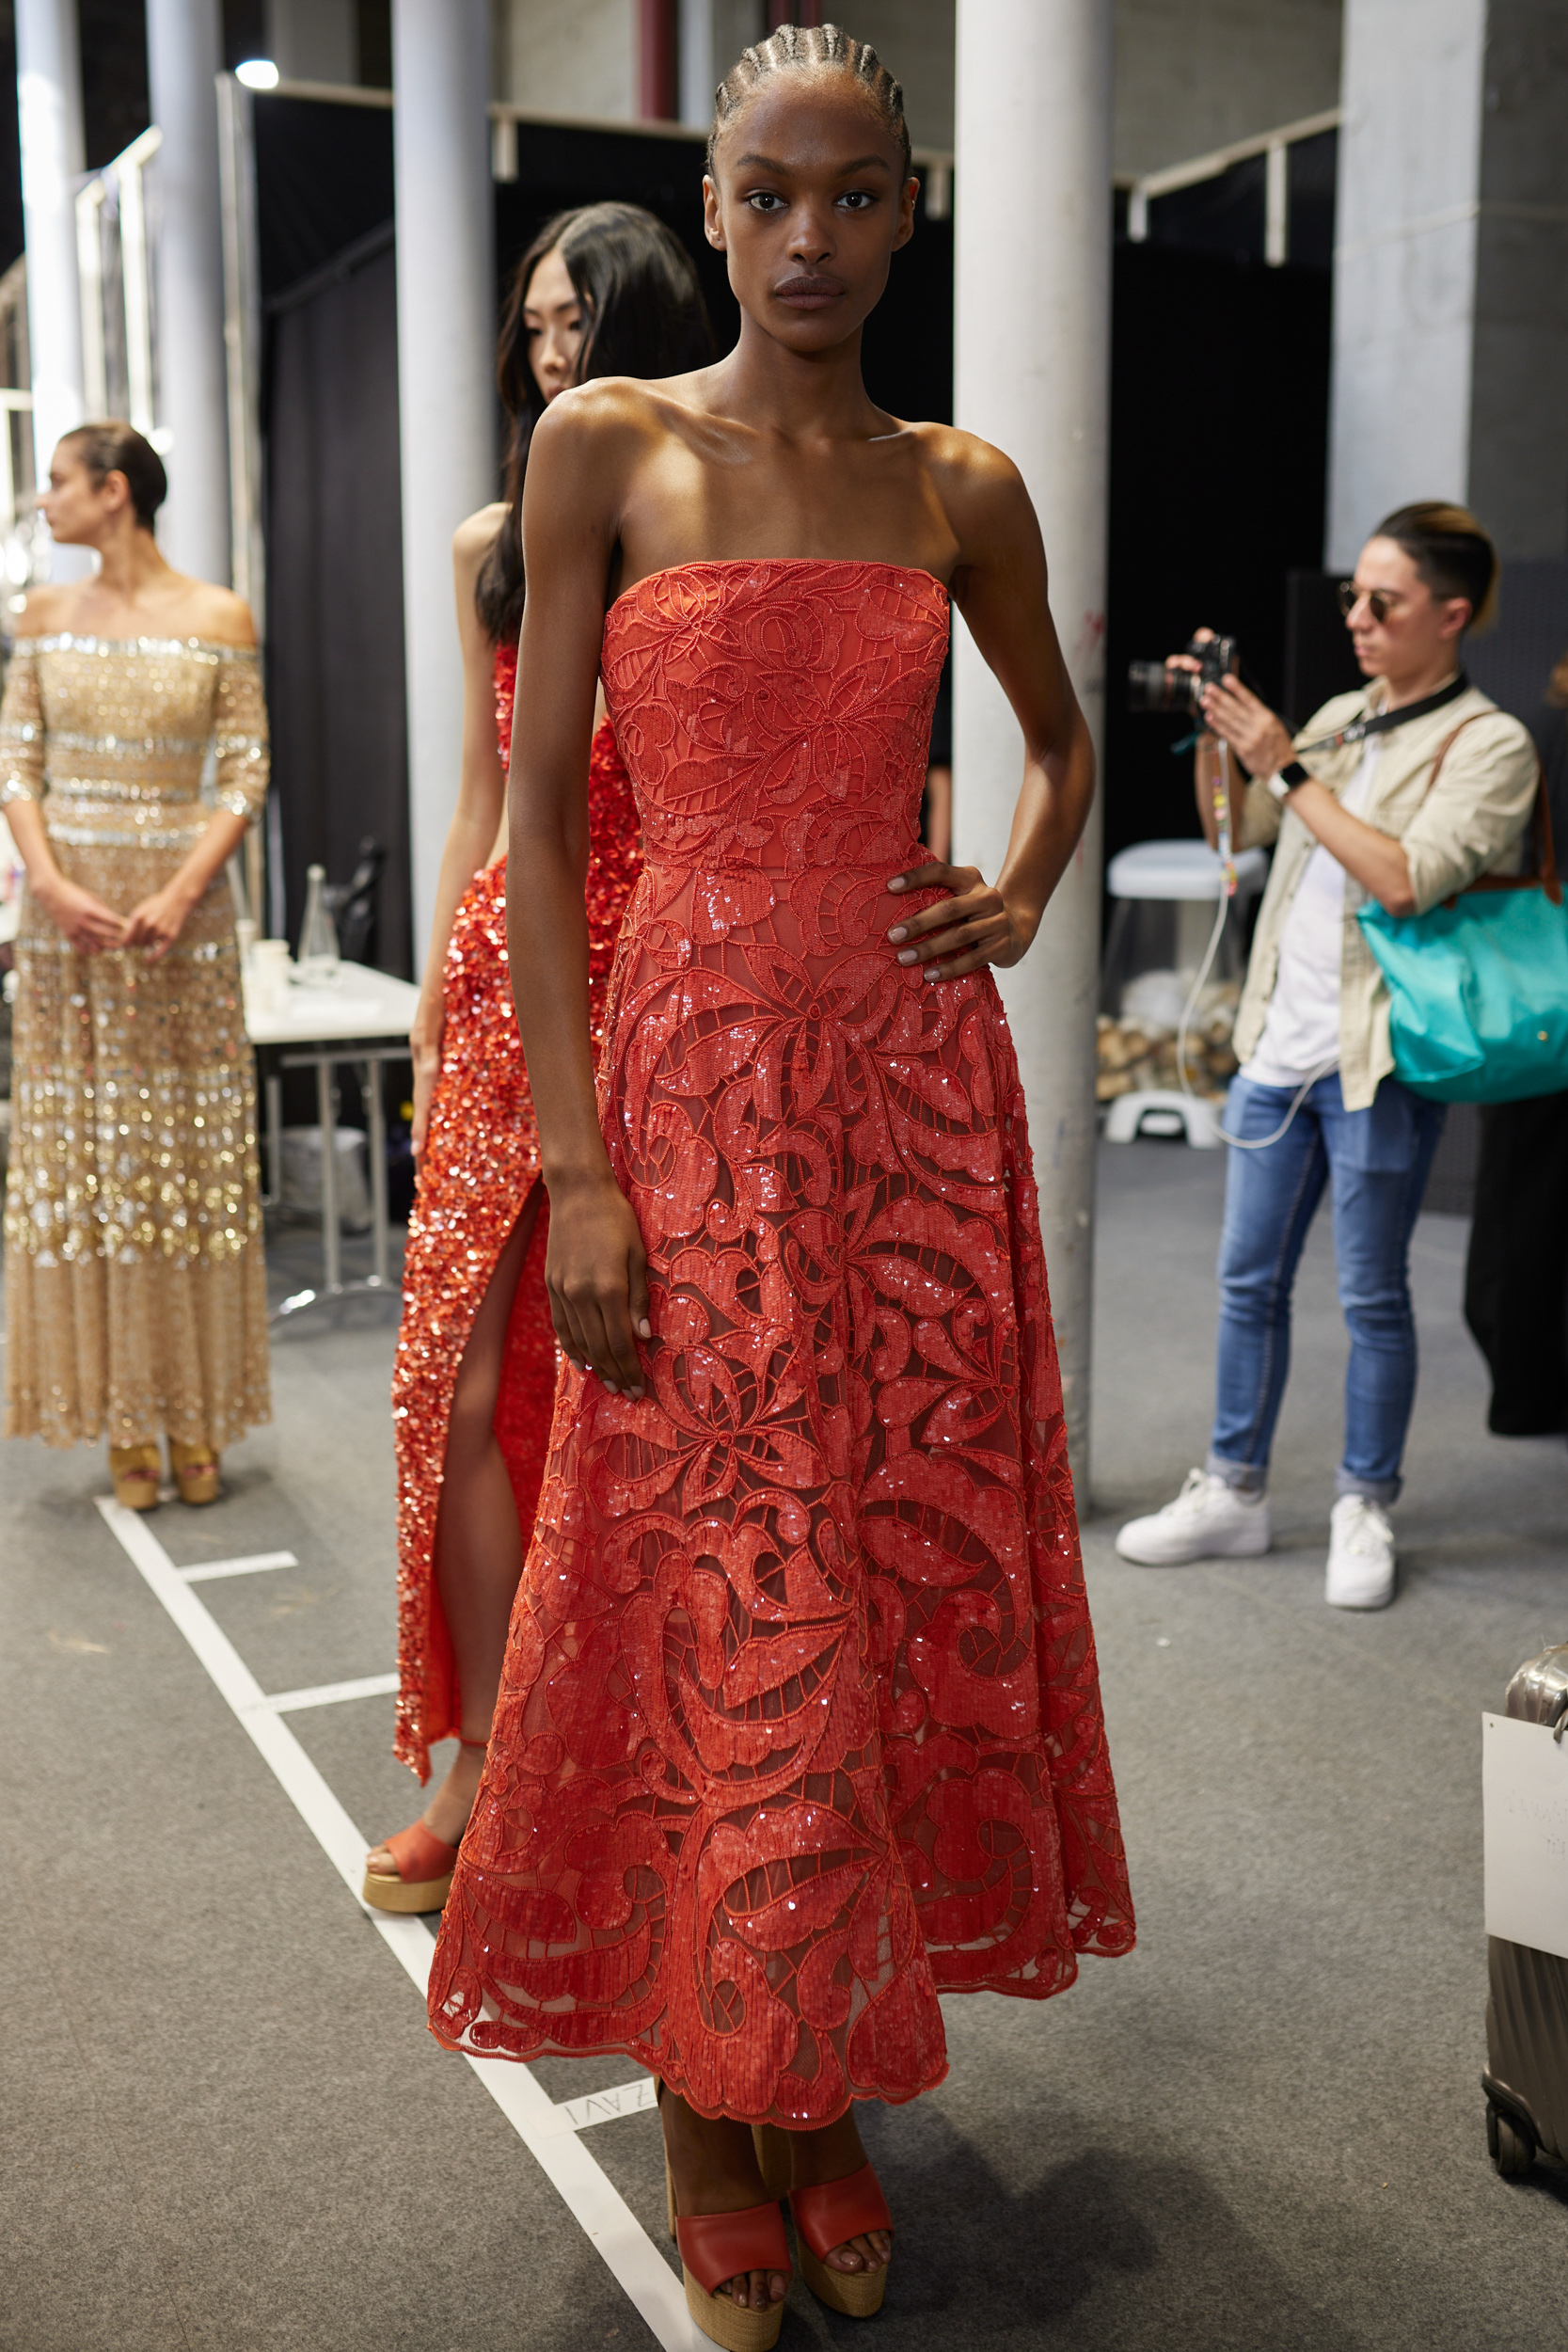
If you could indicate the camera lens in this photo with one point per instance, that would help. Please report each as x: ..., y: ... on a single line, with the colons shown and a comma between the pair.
x: 1152, y: 687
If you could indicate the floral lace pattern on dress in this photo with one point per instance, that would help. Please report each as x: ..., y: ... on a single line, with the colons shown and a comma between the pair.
x: 480, y: 1161
x: 800, y: 1723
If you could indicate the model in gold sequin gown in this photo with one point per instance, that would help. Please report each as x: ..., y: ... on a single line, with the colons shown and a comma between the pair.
x: 135, y: 1289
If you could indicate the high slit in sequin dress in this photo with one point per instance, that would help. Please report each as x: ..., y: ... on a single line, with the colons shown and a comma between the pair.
x: 480, y: 1163
x: 800, y: 1725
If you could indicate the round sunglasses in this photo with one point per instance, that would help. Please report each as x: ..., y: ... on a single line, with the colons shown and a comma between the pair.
x: 1383, y: 600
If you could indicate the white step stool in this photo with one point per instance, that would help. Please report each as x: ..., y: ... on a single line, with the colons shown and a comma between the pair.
x: 1187, y: 873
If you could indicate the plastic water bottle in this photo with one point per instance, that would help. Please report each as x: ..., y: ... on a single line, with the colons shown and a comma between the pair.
x: 318, y: 941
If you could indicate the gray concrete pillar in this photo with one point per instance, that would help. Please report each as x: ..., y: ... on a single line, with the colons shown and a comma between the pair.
x: 49, y: 109
x: 184, y: 56
x: 1032, y: 326
x: 446, y: 334
x: 1450, y: 304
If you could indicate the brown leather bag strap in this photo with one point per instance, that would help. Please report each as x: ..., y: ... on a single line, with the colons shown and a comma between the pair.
x: 1447, y: 743
x: 1546, y: 874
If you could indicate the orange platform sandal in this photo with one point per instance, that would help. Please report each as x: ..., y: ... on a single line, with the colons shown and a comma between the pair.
x: 136, y: 1470
x: 824, y: 2216
x: 718, y: 2246
x: 423, y: 1882
x: 425, y: 1864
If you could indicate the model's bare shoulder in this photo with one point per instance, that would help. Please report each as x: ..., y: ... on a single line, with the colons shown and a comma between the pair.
x: 45, y: 610
x: 473, y: 539
x: 586, y: 448
x: 983, y: 497
x: 607, y: 415
x: 974, y: 481
x: 220, y: 616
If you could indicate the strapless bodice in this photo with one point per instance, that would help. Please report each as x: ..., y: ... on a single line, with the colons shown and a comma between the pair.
x: 776, y: 714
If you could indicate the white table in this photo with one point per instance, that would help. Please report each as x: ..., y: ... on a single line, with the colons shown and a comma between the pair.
x: 366, y: 1020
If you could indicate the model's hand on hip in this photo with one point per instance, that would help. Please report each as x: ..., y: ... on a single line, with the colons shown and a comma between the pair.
x: 973, y: 928
x: 596, y: 1273
x: 82, y: 919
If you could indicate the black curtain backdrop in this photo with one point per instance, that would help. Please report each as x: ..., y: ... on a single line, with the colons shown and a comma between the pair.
x: 335, y: 661
x: 1218, y: 463
x: 334, y: 586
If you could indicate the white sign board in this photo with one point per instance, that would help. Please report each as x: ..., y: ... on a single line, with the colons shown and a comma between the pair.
x: 1525, y: 1793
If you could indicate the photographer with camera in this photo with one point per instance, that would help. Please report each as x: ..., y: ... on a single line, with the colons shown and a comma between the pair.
x: 1403, y: 791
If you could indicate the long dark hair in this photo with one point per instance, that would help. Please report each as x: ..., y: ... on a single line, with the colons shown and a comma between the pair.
x: 645, y: 317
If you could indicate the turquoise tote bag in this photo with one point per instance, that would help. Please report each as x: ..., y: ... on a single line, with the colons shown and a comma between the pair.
x: 1479, y: 984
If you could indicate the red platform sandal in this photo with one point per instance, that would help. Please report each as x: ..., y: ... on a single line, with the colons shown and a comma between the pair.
x: 718, y: 2246
x: 824, y: 2216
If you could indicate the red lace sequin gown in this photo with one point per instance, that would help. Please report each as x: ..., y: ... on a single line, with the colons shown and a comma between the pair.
x: 800, y: 1725
x: 480, y: 1161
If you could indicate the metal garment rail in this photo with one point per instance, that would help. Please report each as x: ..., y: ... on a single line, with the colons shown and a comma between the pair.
x: 550, y: 2132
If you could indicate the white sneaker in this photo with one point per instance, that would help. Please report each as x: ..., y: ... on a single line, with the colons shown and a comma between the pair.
x: 1360, y: 1555
x: 1209, y: 1520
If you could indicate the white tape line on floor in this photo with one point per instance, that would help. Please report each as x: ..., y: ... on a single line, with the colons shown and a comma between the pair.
x: 594, y: 2202
x: 331, y: 1694
x: 251, y: 1564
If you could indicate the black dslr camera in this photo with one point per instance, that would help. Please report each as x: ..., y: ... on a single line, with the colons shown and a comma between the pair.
x: 1152, y: 687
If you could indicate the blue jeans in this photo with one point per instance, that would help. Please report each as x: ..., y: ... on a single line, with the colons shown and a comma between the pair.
x: 1376, y: 1161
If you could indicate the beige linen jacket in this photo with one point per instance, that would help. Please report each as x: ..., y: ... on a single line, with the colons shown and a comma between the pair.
x: 1470, y: 822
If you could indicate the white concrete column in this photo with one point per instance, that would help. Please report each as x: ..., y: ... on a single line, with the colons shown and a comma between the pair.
x: 1451, y: 283
x: 699, y: 66
x: 49, y: 107
x: 1032, y: 326
x: 446, y: 333
x: 713, y: 33
x: 183, y: 56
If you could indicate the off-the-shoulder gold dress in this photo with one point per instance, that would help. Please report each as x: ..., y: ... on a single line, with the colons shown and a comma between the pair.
x: 135, y: 1289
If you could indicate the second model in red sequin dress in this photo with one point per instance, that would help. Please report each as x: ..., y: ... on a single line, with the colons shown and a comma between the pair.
x: 480, y: 1161
x: 800, y: 1723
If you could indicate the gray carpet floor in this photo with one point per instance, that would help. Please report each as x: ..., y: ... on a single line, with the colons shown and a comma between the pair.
x: 224, y: 2125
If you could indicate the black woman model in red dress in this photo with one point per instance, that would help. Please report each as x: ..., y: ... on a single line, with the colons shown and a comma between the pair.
x: 800, y: 1725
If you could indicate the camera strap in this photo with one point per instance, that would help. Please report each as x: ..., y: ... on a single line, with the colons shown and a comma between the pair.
x: 1384, y: 722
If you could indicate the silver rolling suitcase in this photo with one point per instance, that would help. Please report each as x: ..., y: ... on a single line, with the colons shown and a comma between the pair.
x: 1526, y: 2081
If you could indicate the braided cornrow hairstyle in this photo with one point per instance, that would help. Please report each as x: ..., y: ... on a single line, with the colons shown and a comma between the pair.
x: 811, y: 48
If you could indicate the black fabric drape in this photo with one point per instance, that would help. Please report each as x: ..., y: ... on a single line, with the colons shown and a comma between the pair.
x: 1516, y: 1275
x: 335, y: 584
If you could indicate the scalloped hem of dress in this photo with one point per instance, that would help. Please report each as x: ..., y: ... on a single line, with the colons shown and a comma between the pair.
x: 640, y: 2055
x: 1009, y: 1988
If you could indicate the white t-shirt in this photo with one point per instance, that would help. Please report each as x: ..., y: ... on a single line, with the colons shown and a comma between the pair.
x: 1301, y: 1034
